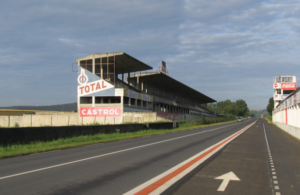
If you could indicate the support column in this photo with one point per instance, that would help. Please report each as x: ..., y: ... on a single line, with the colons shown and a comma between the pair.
x: 128, y: 78
x: 93, y: 69
x: 138, y: 82
x: 101, y: 68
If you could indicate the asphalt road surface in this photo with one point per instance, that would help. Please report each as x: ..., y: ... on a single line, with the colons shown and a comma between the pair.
x: 109, y: 168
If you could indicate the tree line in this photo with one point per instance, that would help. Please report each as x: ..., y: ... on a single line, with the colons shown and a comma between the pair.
x: 229, y: 108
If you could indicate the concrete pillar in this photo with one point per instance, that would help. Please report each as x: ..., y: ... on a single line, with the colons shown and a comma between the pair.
x: 129, y: 101
x: 138, y: 82
x: 93, y: 69
x: 101, y: 68
x: 128, y: 78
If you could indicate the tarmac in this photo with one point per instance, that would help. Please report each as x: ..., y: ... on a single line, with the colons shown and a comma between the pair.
x: 263, y: 160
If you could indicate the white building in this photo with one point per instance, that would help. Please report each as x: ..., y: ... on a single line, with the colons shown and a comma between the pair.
x: 283, y: 86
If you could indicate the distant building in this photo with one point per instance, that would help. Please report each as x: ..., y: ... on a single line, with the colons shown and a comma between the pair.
x: 283, y: 86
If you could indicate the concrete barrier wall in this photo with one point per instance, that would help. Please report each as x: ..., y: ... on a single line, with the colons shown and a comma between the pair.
x: 294, y: 131
x: 288, y: 119
x: 33, y: 134
x: 56, y: 120
x: 141, y: 117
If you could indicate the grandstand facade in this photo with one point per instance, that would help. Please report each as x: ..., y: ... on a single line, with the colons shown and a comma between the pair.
x: 116, y: 86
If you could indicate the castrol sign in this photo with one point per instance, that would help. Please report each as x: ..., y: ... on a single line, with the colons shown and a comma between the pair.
x: 288, y: 86
x: 100, y: 111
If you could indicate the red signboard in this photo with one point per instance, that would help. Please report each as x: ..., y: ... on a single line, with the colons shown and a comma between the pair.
x: 288, y: 86
x: 170, y: 116
x: 100, y: 111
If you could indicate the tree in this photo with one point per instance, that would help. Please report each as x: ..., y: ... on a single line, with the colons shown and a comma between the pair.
x: 212, y: 107
x: 270, y: 106
x: 241, y: 107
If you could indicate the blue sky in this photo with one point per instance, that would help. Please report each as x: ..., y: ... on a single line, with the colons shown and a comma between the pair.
x: 226, y: 49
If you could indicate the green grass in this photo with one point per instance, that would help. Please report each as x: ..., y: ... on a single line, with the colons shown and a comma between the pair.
x: 269, y: 119
x: 35, y: 147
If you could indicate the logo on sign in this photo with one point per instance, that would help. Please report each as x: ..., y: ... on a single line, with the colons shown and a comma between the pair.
x: 100, y: 111
x: 275, y: 85
x: 82, y: 78
x: 288, y: 85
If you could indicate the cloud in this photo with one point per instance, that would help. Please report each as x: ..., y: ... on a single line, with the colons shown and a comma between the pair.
x: 220, y: 48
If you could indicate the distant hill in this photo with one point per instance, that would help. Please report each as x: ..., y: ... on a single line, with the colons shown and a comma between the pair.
x: 260, y: 112
x: 60, y: 107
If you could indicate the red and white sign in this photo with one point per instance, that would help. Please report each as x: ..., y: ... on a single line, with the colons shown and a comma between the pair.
x: 100, y: 111
x: 277, y: 85
x: 170, y: 116
x: 288, y: 86
x: 93, y: 87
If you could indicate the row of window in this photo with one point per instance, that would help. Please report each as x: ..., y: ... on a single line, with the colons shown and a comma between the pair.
x: 278, y: 91
x: 284, y: 79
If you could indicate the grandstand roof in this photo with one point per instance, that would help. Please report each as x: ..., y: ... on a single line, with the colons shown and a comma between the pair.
x: 163, y: 80
x: 124, y: 63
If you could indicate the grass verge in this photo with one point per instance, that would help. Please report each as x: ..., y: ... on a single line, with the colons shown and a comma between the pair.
x: 36, y: 147
x: 269, y: 119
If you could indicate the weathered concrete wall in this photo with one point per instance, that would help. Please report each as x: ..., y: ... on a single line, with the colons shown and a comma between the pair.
x: 56, y: 120
x: 33, y: 134
x: 294, y: 131
x: 39, y: 120
x: 141, y: 117
x: 99, y: 120
x: 4, y: 121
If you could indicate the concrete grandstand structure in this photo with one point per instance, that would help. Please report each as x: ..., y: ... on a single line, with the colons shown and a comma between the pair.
x: 116, y: 85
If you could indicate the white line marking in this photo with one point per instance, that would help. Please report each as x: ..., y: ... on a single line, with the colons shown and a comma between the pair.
x: 98, y: 156
x: 271, y: 162
x: 162, y: 187
x: 226, y: 178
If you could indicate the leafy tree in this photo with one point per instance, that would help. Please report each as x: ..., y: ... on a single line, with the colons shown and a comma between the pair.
x: 228, y: 107
x: 212, y: 107
x: 241, y: 107
x: 270, y: 106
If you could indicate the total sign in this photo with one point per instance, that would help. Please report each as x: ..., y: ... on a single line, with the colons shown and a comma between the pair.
x: 91, y: 85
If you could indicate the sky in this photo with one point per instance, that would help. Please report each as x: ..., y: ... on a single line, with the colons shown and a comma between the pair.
x: 225, y: 49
